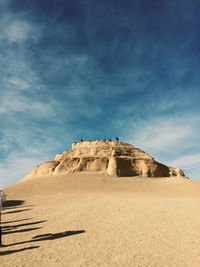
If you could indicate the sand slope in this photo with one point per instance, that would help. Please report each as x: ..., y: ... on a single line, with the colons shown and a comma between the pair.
x: 95, y: 220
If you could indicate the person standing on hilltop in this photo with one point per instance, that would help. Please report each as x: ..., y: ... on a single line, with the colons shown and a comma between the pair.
x: 2, y: 199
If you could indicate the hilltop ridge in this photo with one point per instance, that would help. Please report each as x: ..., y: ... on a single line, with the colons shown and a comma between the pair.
x: 113, y: 158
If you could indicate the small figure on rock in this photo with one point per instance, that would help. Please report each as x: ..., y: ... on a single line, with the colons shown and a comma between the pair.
x: 81, y: 139
x: 117, y: 139
x: 110, y: 140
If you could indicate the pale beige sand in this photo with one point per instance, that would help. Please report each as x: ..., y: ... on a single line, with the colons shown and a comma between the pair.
x: 96, y: 220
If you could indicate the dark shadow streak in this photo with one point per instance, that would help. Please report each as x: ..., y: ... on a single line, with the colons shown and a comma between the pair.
x: 17, y: 207
x: 17, y: 221
x: 11, y: 208
x: 49, y: 236
x: 16, y: 250
x: 20, y: 231
x: 15, y: 211
x: 21, y: 225
x: 11, y: 203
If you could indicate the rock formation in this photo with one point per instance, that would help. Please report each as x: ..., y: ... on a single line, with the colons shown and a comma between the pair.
x: 112, y: 158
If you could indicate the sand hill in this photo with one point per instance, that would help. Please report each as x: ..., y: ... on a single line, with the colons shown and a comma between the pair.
x: 85, y: 218
x: 112, y: 158
x: 92, y: 219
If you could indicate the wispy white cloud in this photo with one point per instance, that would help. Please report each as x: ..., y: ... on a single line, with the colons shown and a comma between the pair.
x: 187, y: 162
x: 17, y: 72
x: 17, y: 166
x: 162, y: 135
x: 19, y: 84
x: 190, y: 163
x: 13, y: 101
x: 26, y: 148
x: 18, y: 29
x: 163, y: 132
x: 167, y: 138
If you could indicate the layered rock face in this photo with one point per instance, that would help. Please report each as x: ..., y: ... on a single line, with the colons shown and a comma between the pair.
x: 112, y: 158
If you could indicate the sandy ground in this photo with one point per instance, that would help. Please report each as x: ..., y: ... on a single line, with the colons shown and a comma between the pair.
x: 96, y: 220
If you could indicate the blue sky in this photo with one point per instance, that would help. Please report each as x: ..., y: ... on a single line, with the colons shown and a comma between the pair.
x: 93, y: 69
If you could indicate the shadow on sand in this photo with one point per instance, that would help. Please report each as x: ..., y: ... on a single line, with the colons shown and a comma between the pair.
x: 20, y: 231
x: 11, y: 229
x: 12, y: 203
x: 8, y: 228
x: 48, y: 236
x: 51, y: 236
x: 20, y: 225
x: 14, y: 211
x: 17, y: 221
x: 17, y: 207
x: 8, y: 252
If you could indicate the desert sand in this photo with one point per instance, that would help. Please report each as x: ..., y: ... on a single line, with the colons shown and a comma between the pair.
x: 92, y: 219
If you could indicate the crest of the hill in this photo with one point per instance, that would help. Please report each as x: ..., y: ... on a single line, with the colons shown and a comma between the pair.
x: 112, y: 158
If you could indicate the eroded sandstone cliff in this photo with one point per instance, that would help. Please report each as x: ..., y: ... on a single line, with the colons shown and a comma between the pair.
x: 113, y: 158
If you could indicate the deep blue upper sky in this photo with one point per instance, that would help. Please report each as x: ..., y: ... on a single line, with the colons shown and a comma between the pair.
x: 93, y: 69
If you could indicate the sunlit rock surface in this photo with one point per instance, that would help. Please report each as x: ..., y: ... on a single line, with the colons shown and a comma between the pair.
x: 112, y: 158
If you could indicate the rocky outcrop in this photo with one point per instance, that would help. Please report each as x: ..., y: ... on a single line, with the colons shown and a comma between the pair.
x: 112, y: 158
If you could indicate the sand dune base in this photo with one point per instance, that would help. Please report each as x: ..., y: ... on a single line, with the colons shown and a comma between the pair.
x: 96, y: 220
